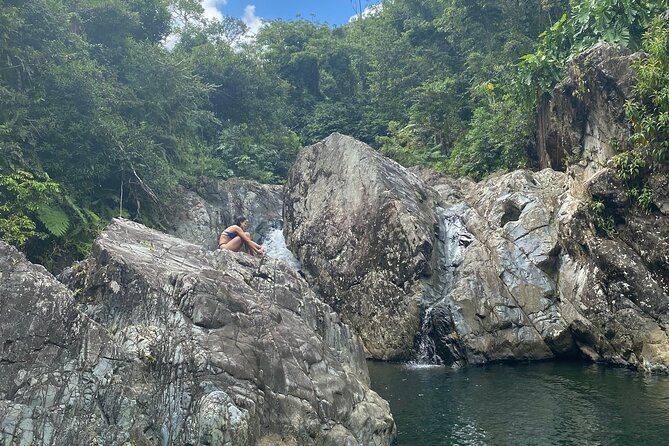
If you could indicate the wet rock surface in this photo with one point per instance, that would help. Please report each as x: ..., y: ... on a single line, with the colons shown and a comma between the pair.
x: 161, y: 342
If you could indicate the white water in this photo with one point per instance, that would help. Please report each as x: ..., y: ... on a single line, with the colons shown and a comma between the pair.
x: 426, y: 355
x: 453, y: 241
x: 275, y: 247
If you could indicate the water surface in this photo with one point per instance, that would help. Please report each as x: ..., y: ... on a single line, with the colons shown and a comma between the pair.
x: 524, y: 404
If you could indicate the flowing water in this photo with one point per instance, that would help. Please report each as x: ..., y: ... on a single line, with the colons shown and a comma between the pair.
x: 275, y: 247
x: 524, y: 404
x: 452, y: 240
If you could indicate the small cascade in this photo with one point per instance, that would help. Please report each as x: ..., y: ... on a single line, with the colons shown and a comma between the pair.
x: 275, y: 246
x: 426, y: 354
x: 436, y: 343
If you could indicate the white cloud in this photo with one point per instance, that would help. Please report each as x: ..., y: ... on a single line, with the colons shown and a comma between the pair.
x: 211, y: 10
x: 254, y: 24
x: 368, y: 11
x: 252, y: 21
x: 170, y: 41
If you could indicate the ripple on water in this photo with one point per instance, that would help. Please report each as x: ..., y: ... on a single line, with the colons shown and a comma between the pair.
x: 413, y: 365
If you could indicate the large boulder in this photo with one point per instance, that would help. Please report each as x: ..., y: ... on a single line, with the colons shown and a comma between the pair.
x: 214, y: 206
x: 583, y: 124
x: 363, y: 228
x: 177, y: 345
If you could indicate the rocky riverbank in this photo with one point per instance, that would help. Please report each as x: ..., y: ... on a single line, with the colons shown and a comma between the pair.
x: 161, y: 342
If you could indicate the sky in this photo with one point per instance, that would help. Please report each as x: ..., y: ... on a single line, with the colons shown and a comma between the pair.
x: 252, y: 12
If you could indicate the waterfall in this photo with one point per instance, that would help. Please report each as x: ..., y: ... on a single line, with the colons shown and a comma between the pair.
x: 435, y: 344
x: 425, y: 354
x: 275, y: 246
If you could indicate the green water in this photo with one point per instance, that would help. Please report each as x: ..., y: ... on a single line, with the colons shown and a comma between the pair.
x: 525, y: 404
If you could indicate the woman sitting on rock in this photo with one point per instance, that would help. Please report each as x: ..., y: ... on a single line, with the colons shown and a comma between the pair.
x: 235, y: 237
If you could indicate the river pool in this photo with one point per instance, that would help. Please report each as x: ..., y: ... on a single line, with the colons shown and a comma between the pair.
x: 548, y: 403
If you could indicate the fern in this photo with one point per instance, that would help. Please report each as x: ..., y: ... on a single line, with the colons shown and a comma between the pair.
x: 54, y: 219
x: 74, y: 207
x: 93, y: 218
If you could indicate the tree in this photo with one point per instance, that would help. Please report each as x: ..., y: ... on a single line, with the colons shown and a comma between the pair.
x: 24, y: 201
x: 588, y: 22
x: 99, y: 109
x: 648, y: 113
x: 186, y: 12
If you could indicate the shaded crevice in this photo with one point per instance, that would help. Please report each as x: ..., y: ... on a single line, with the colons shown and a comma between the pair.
x: 551, y: 266
x: 511, y: 213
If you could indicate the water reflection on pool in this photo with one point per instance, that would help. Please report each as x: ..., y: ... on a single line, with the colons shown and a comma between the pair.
x: 524, y: 404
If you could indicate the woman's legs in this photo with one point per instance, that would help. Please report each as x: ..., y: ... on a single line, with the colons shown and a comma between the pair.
x: 233, y: 245
x: 247, y: 247
x: 236, y: 245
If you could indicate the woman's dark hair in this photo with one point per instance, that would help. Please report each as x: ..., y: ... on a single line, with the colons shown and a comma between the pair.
x: 240, y: 219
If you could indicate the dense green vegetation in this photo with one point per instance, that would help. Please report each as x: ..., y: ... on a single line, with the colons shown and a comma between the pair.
x: 99, y: 118
x: 649, y: 113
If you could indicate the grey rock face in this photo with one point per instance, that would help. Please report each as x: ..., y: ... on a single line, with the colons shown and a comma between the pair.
x: 58, y: 369
x: 499, y: 299
x: 363, y: 228
x: 215, y: 206
x: 514, y: 268
x: 584, y: 122
x: 533, y: 279
x: 178, y: 345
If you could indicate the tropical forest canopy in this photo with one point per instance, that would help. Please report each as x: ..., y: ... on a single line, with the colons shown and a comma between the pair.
x: 101, y: 117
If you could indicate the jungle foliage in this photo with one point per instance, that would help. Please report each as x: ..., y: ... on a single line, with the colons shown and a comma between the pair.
x: 108, y: 106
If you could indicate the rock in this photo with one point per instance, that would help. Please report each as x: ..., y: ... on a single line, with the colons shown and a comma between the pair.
x: 58, y: 368
x: 533, y: 279
x: 515, y: 268
x: 499, y: 298
x: 209, y: 211
x: 177, y: 345
x: 363, y: 228
x: 606, y: 187
x: 583, y: 124
x: 659, y: 184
